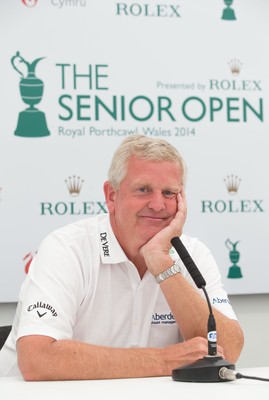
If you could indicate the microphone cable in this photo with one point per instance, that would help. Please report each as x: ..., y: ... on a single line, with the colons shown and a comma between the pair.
x: 232, y: 375
x: 211, y: 327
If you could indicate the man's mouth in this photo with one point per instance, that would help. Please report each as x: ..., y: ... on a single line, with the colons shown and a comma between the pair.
x: 154, y: 218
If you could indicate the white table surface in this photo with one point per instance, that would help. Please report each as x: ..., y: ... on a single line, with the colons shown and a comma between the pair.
x: 139, y: 389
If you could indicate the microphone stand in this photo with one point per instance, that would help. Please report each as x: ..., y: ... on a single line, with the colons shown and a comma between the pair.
x: 206, y: 369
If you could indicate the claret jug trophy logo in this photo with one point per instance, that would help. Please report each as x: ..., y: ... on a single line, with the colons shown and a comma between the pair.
x: 234, y: 270
x: 228, y: 13
x: 31, y: 122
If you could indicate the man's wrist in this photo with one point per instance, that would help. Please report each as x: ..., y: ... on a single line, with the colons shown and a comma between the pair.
x: 174, y: 269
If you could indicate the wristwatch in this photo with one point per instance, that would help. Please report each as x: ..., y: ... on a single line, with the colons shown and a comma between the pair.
x: 175, y: 269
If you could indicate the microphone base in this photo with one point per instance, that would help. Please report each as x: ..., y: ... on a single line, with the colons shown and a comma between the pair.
x: 204, y: 370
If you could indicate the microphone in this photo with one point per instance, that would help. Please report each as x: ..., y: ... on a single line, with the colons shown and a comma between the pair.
x: 188, y: 262
x: 210, y: 367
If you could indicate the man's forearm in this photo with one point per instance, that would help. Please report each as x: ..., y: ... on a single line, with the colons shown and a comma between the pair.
x: 49, y: 359
x: 43, y: 358
x: 191, y: 313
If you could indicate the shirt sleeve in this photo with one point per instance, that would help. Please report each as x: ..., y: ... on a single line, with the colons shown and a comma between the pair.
x: 53, y: 290
x: 208, y: 267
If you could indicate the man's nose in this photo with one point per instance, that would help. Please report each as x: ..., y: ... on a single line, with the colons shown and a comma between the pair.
x: 156, y: 202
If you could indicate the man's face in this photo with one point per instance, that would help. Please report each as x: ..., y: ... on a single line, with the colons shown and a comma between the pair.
x: 145, y: 203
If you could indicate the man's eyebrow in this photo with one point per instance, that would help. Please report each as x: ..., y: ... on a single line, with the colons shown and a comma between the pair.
x: 139, y: 183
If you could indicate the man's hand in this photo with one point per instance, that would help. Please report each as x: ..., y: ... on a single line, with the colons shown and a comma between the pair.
x: 156, y: 250
x: 187, y: 352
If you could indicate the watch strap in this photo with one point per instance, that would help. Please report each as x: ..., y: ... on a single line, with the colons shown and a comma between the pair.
x: 174, y: 269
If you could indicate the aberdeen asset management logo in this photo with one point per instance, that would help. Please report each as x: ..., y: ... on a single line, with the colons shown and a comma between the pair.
x: 163, y: 319
x: 31, y: 121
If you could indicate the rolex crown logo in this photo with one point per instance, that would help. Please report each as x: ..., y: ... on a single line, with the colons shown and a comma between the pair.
x: 232, y: 183
x: 235, y: 66
x: 74, y: 185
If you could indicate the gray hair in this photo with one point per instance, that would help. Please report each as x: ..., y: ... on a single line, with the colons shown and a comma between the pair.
x: 145, y: 148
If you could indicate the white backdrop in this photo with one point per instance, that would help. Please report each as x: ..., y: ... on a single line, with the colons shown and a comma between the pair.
x: 193, y: 72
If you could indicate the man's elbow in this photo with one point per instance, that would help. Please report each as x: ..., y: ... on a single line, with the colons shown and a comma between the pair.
x: 32, y: 369
x: 29, y: 370
x: 31, y: 354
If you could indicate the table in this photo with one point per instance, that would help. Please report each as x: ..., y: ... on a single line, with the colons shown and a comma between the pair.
x: 138, y: 389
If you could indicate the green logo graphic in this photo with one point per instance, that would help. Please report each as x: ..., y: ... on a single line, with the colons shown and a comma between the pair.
x: 234, y: 270
x: 31, y: 122
x: 228, y: 13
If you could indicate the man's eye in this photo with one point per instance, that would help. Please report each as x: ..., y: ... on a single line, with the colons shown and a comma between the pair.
x: 143, y: 189
x: 168, y: 193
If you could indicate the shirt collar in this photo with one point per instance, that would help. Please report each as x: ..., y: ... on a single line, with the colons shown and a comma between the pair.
x: 110, y: 249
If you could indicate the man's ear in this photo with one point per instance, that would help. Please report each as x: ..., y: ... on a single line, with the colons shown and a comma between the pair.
x: 109, y: 192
